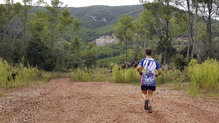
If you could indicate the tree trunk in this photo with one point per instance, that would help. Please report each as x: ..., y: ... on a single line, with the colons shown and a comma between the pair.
x: 188, y: 49
x: 126, y: 48
x: 168, y: 42
x: 169, y: 39
x: 190, y: 28
x: 25, y: 21
x: 196, y: 29
x: 209, y: 33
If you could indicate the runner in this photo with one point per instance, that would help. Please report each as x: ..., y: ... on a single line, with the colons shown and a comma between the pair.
x: 148, y: 82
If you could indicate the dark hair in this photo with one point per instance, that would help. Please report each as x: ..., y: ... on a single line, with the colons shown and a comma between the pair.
x: 148, y: 51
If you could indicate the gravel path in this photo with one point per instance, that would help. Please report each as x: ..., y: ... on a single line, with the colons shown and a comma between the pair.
x: 78, y: 102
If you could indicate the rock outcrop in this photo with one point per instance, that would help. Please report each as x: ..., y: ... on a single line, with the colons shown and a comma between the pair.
x: 106, y: 39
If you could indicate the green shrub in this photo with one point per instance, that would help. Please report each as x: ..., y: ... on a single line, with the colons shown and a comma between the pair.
x: 3, y: 71
x: 171, y: 76
x: 179, y: 61
x: 25, y: 75
x: 96, y: 75
x: 132, y: 76
x: 100, y: 75
x: 80, y: 75
x: 118, y: 75
x: 125, y: 76
x: 205, y: 75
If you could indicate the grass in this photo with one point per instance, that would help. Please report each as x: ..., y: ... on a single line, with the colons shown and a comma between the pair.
x: 125, y: 75
x: 95, y: 75
x: 24, y: 75
x: 55, y: 75
x: 204, y: 77
x: 104, y: 75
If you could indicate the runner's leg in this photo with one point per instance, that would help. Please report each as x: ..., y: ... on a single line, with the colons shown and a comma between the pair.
x: 144, y: 94
x: 150, y: 95
x: 145, y: 97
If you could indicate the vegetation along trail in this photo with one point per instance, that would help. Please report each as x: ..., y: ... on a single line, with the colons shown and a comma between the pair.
x: 64, y: 101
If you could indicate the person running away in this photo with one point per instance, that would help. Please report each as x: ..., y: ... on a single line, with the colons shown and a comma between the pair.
x: 148, y: 81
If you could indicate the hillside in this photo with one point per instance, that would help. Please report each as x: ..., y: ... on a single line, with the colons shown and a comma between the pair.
x: 98, y: 16
x: 99, y: 20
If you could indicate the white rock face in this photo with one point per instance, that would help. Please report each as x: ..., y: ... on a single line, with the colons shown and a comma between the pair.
x: 106, y: 39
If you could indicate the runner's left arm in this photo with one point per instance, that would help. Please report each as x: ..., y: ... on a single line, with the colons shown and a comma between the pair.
x: 158, y: 68
x: 159, y: 72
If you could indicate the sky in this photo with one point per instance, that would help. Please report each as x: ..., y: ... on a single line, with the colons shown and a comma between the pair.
x: 83, y: 3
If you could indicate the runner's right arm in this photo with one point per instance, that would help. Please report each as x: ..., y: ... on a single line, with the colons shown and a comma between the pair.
x: 139, y: 67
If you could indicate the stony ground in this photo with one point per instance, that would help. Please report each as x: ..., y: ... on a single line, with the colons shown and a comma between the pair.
x: 78, y: 102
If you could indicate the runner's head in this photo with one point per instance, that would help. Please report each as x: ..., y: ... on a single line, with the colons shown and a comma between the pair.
x: 148, y: 51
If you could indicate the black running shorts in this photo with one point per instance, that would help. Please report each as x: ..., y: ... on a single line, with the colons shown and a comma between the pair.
x: 143, y: 87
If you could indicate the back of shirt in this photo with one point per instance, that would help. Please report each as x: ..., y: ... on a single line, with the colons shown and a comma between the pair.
x: 149, y: 65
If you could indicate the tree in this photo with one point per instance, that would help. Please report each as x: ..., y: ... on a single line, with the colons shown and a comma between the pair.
x: 38, y: 26
x: 75, y: 39
x: 209, y: 11
x: 187, y: 6
x: 2, y: 18
x: 76, y: 44
x: 65, y: 19
x: 27, y: 4
x: 40, y: 55
x: 123, y: 31
x: 90, y: 59
x: 53, y: 15
x: 162, y: 12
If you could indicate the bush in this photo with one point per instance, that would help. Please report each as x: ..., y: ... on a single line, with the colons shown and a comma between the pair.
x: 38, y: 54
x: 205, y: 75
x: 171, y: 76
x: 126, y: 76
x: 80, y: 75
x: 180, y: 62
x: 96, y: 75
x: 101, y: 75
x: 25, y: 75
x: 117, y: 74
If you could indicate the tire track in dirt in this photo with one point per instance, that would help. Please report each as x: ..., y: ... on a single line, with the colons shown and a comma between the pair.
x: 63, y: 101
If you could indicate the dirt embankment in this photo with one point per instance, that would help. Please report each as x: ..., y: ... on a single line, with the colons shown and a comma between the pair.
x: 63, y: 101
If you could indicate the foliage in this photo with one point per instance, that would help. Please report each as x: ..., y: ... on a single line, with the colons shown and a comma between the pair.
x: 65, y: 19
x: 125, y: 76
x: 38, y: 54
x: 171, y: 76
x: 110, y: 13
x: 97, y: 75
x: 205, y: 75
x: 180, y: 61
x: 90, y: 59
x: 80, y: 75
x: 123, y: 30
x: 24, y: 75
x: 2, y: 16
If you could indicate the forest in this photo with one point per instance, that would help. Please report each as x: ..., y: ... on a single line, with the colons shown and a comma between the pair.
x: 51, y: 37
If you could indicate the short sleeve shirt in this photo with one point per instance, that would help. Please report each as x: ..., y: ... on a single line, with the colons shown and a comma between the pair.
x: 149, y: 65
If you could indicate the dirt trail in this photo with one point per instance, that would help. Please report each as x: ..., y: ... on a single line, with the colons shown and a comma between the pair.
x: 63, y: 101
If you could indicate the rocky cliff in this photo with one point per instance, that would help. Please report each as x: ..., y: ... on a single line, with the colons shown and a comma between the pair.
x: 106, y: 39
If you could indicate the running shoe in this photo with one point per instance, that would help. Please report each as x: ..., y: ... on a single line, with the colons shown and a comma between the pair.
x: 146, y: 104
x: 149, y: 109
